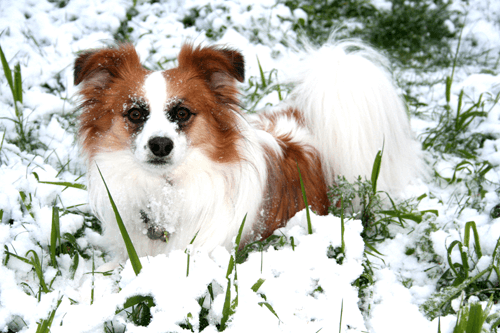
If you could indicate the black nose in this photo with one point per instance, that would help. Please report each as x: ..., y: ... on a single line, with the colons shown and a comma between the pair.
x: 160, y: 146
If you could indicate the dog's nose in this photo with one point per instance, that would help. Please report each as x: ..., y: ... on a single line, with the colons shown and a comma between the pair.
x: 160, y: 146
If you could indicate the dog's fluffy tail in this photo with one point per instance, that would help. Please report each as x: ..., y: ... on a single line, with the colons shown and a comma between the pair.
x: 352, y: 109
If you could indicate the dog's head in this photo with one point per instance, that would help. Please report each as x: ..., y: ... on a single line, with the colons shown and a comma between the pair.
x: 160, y: 116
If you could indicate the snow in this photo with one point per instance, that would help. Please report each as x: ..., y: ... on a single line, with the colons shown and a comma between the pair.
x: 307, y: 290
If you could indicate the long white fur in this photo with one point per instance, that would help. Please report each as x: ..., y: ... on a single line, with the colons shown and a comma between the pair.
x: 350, y: 109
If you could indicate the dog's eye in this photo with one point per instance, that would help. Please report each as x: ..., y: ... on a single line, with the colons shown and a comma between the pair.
x: 137, y: 115
x: 180, y: 114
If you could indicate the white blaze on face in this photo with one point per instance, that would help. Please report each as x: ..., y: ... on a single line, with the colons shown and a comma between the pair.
x: 158, y: 125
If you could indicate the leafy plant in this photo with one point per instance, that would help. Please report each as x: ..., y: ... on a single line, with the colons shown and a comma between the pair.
x: 471, y: 317
x: 414, y: 30
x: 463, y: 277
x: 452, y: 134
x: 139, y: 313
x: 409, y: 30
x: 260, y: 87
x: 14, y: 78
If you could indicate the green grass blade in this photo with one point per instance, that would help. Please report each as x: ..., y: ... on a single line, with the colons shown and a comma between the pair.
x: 7, y: 71
x: 257, y: 285
x: 7, y: 253
x: 66, y: 184
x: 458, y: 126
x: 55, y: 235
x: 304, y: 196
x: 477, y: 246
x: 341, y: 313
x: 93, y: 279
x: 74, y: 266
x: 450, y: 263
x: 449, y: 81
x: 189, y: 253
x: 134, y: 300
x: 35, y: 262
x: 45, y: 324
x: 229, y: 307
x: 18, y: 84
x: 270, y: 308
x: 226, y: 310
x: 238, y: 237
x: 342, y: 225
x: 376, y: 169
x: 132, y: 254
x: 476, y: 318
x: 3, y: 139
x: 471, y: 318
x: 262, y: 76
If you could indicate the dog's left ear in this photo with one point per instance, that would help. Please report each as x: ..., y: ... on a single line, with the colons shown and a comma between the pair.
x: 99, y: 68
x: 220, y: 67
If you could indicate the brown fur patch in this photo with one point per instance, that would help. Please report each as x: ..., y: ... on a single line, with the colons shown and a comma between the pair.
x: 206, y: 82
x: 283, y: 194
x: 111, y: 81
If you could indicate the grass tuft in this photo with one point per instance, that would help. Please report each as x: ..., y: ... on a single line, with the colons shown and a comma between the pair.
x: 414, y: 32
x: 471, y: 317
x: 462, y: 277
x: 24, y: 140
x: 230, y: 304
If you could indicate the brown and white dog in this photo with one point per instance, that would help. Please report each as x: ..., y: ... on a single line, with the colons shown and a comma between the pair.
x: 180, y: 156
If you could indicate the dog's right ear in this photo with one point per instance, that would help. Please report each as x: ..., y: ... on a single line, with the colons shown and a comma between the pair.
x: 98, y: 68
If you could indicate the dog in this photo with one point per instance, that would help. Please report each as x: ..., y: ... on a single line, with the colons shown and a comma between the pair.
x: 185, y: 165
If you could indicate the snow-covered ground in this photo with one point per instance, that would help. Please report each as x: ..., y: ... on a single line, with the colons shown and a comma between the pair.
x: 303, y: 289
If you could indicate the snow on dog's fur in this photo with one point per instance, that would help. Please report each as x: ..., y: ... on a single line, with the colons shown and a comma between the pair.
x: 180, y: 158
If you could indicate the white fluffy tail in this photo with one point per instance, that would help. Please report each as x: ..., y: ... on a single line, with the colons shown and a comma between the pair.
x: 352, y: 109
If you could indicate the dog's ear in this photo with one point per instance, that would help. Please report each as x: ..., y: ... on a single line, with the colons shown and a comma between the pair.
x: 99, y: 68
x: 219, y: 66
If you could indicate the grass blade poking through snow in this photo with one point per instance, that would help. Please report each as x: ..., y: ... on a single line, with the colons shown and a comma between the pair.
x: 132, y: 254
x: 342, y: 225
x: 188, y: 252
x: 7, y: 72
x: 14, y: 79
x: 45, y: 324
x: 66, y: 184
x: 55, y: 235
x: 309, y: 226
x: 35, y: 262
x: 341, y: 313
x: 376, y: 169
x: 471, y: 317
x: 262, y: 76
x: 477, y: 246
x: 230, y: 306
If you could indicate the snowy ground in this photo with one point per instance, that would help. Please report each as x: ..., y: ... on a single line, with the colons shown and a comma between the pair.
x: 304, y: 290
